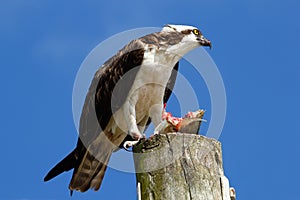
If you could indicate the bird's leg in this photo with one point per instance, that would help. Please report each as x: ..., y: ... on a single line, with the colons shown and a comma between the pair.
x: 142, y: 125
x: 156, y: 116
x: 133, y: 131
x: 130, y: 117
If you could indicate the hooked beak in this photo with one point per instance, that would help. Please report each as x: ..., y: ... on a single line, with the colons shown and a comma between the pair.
x: 204, y: 42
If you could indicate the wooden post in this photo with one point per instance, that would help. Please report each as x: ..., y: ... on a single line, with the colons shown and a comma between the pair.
x: 181, y: 166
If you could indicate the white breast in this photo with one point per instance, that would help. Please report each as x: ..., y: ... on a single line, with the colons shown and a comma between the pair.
x: 148, y: 87
x: 151, y: 80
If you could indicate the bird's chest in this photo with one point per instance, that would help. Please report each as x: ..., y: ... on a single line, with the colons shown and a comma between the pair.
x: 149, y: 86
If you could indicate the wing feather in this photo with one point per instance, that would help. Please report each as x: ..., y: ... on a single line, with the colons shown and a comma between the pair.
x: 97, y: 112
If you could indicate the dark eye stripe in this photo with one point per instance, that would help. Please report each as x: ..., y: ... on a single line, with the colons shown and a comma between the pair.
x: 188, y: 31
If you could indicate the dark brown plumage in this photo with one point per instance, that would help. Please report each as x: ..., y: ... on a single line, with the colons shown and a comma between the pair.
x: 99, y: 134
x: 99, y: 94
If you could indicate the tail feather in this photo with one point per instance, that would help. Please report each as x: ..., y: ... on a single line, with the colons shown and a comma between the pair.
x: 89, y: 163
x: 97, y: 180
x: 64, y: 165
x: 90, y: 172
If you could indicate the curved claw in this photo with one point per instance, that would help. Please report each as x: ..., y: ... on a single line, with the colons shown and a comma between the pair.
x: 129, y: 144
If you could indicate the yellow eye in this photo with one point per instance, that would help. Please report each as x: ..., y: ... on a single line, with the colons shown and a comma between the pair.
x: 196, y: 31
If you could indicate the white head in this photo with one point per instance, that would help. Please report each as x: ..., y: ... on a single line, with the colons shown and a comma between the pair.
x: 184, y: 38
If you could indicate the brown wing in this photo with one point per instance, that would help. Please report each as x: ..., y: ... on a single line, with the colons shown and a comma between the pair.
x: 97, y: 107
x: 88, y: 171
x: 97, y: 110
x: 171, y: 83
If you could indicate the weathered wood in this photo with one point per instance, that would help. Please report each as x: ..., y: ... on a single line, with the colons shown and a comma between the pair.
x: 180, y: 166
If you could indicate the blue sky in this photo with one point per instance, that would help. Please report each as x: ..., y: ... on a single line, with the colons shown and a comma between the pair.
x: 255, y: 46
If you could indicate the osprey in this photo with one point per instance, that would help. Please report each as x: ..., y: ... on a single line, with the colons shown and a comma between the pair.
x: 126, y: 94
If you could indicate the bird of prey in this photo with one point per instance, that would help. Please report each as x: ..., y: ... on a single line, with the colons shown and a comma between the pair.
x: 127, y: 92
